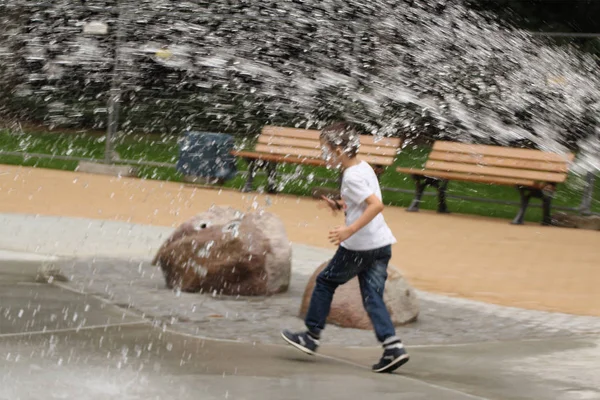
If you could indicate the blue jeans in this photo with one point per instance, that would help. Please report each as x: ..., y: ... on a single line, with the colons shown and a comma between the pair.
x: 371, y: 268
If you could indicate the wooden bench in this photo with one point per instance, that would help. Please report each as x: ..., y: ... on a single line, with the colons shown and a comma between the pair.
x: 279, y: 145
x: 534, y: 173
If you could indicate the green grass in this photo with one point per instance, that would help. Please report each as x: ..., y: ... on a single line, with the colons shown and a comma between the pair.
x: 149, y: 148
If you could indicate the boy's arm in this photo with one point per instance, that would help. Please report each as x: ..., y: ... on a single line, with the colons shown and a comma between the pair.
x: 374, y: 207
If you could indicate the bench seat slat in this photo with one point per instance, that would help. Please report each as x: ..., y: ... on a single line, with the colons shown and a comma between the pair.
x: 496, y: 171
x: 278, y: 158
x: 316, y: 145
x: 469, y: 177
x: 487, y: 150
x: 284, y: 151
x: 495, y: 161
x: 296, y: 159
x: 283, y: 141
x: 372, y: 159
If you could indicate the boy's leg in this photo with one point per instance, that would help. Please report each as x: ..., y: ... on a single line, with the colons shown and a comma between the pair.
x: 372, y: 285
x: 344, y: 266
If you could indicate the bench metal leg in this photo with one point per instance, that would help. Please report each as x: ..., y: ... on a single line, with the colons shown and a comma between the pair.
x: 250, y: 179
x: 544, y: 195
x: 546, y: 205
x: 420, y: 184
x: 525, y: 197
x: 272, y: 178
x: 253, y: 166
x: 547, y: 196
x: 441, y: 186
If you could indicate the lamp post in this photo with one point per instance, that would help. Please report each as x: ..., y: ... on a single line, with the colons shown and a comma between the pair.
x: 114, y: 94
x: 588, y: 194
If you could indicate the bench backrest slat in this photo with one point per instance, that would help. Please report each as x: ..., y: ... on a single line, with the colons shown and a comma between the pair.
x: 495, y: 161
x: 281, y: 150
x: 311, y: 134
x: 316, y: 154
x: 316, y: 145
x: 293, y: 133
x: 306, y: 143
x: 499, y: 151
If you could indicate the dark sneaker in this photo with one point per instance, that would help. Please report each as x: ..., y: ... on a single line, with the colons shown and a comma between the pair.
x: 302, y: 341
x: 394, y: 356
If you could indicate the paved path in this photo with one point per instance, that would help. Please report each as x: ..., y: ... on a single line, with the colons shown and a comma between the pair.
x: 112, y: 260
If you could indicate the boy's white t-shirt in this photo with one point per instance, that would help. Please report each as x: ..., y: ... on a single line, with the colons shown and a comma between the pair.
x: 358, y: 183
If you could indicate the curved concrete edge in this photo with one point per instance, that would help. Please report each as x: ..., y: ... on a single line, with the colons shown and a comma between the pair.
x: 25, y: 256
x: 67, y: 237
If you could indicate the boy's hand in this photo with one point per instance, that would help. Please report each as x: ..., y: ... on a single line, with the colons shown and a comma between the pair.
x: 339, y: 234
x: 330, y: 203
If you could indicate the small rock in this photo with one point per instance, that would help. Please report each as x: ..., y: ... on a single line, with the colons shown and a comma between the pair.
x: 347, y: 308
x: 49, y: 273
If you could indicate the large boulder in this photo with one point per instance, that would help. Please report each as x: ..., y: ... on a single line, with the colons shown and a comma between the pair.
x: 228, y: 252
x: 347, y: 308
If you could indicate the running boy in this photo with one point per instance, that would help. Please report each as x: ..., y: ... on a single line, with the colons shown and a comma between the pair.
x: 364, y: 249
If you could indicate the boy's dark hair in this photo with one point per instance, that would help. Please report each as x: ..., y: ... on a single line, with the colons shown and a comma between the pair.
x: 342, y: 135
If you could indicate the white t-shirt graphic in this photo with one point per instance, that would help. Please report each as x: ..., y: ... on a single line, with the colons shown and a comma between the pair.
x: 358, y: 183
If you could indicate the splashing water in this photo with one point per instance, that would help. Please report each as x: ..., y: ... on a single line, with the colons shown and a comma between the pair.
x: 405, y: 68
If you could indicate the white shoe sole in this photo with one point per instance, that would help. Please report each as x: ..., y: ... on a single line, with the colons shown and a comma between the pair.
x: 296, y: 345
x: 397, y: 363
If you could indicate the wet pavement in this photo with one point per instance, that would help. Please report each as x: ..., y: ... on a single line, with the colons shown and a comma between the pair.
x: 138, y: 286
x: 100, y: 335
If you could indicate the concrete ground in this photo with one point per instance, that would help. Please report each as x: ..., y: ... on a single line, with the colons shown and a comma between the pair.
x: 113, y: 330
x: 55, y: 343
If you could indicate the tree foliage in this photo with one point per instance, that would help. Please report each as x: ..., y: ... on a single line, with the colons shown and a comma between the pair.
x: 409, y: 68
